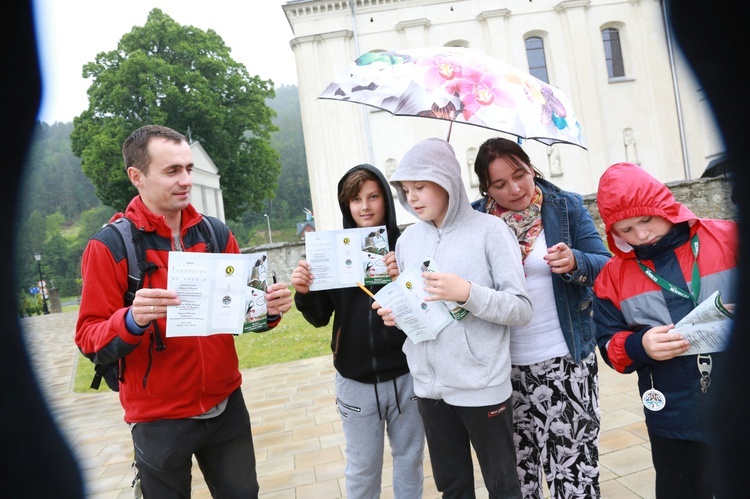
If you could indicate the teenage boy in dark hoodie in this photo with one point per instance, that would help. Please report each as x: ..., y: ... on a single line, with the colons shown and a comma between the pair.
x: 374, y: 390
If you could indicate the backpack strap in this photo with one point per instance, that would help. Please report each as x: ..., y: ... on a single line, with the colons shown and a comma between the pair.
x: 125, y: 227
x: 214, y: 232
x: 209, y: 235
x: 135, y: 255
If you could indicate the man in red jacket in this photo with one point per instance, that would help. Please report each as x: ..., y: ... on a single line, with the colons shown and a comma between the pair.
x: 181, y: 395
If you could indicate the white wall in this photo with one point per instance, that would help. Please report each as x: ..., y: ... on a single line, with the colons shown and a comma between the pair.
x: 644, y: 102
x: 206, y: 194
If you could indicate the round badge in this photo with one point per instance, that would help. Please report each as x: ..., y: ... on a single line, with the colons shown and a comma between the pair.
x: 654, y: 400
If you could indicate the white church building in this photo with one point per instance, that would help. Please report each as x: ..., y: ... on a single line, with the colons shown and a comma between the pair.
x: 615, y: 60
x: 206, y: 194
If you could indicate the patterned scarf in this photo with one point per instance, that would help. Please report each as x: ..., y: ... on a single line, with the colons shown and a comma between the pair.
x: 526, y: 224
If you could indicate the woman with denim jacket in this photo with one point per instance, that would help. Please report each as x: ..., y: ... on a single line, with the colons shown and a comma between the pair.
x: 554, y: 373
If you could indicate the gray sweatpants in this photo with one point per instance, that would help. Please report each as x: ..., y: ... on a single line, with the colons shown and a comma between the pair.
x: 369, y: 410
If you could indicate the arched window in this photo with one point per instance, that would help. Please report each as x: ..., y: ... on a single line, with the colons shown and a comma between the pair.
x: 535, y: 56
x: 457, y: 43
x: 613, y: 52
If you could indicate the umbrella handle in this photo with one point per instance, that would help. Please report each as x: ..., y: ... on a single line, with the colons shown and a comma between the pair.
x: 450, y: 128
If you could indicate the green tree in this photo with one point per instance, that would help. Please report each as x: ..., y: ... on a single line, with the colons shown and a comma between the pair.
x: 61, y: 270
x: 293, y: 193
x: 184, y: 78
x: 54, y: 222
x: 54, y: 180
x: 33, y: 234
x: 91, y: 221
x: 31, y: 238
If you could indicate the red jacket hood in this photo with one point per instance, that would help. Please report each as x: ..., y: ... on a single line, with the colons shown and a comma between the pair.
x: 626, y: 190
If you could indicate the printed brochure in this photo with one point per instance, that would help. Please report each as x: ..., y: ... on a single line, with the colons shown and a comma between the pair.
x: 221, y: 293
x: 343, y: 258
x: 421, y: 320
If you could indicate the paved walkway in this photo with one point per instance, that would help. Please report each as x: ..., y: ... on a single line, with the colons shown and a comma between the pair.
x: 298, y: 440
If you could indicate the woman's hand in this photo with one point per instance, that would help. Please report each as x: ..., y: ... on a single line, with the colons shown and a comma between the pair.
x: 561, y: 259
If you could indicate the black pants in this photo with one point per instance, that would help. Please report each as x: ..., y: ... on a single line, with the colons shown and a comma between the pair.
x: 451, y: 432
x: 223, y: 447
x: 684, y: 468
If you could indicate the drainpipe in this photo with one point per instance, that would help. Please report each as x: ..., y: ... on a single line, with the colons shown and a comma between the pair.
x: 364, y: 108
x: 672, y: 68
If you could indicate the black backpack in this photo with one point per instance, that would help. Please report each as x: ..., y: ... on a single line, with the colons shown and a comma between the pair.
x: 135, y: 254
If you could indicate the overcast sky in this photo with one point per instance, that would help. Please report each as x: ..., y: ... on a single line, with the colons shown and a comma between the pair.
x: 71, y: 32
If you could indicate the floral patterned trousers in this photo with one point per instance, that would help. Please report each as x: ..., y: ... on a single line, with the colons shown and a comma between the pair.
x: 556, y: 421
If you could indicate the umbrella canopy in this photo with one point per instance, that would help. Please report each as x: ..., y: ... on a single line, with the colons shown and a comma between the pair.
x: 459, y: 85
x: 717, y: 166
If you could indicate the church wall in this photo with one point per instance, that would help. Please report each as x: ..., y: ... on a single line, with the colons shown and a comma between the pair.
x: 633, y: 118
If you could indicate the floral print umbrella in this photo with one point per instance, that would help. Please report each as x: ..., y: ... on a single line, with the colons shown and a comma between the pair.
x: 459, y: 85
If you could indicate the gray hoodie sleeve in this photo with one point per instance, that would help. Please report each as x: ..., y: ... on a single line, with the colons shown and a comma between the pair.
x: 507, y: 303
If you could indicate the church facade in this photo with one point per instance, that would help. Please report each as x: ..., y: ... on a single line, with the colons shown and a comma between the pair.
x: 615, y: 60
x: 206, y: 194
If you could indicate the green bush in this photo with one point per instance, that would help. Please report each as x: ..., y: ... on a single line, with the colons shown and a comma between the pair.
x: 30, y: 305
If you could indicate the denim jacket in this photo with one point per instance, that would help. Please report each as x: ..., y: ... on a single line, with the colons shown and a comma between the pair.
x: 565, y: 219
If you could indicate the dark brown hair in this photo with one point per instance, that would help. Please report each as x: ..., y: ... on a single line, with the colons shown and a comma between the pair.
x: 353, y: 184
x: 135, y: 148
x: 498, y: 147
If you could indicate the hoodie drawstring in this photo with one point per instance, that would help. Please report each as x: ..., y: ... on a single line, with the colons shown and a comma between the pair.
x: 377, y: 399
x: 395, y: 389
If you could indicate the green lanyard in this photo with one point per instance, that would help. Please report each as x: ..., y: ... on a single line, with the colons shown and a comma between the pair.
x: 695, y: 283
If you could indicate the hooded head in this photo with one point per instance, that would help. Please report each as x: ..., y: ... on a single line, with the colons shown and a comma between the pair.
x: 625, y: 191
x: 389, y: 217
x: 433, y: 160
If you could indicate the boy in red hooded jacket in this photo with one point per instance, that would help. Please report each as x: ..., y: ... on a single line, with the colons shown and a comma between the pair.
x: 666, y: 260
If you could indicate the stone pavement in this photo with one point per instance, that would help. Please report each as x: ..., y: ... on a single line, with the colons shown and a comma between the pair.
x: 298, y: 440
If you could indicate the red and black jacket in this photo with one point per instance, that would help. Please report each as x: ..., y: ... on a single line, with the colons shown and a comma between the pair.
x: 628, y: 303
x: 191, y: 374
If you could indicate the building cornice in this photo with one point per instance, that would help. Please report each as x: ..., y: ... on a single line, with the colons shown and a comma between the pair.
x: 414, y: 23
x: 488, y: 14
x: 319, y: 37
x: 319, y: 7
x: 572, y: 4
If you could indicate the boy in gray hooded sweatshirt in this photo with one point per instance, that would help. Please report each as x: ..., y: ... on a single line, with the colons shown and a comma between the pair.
x: 462, y: 378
